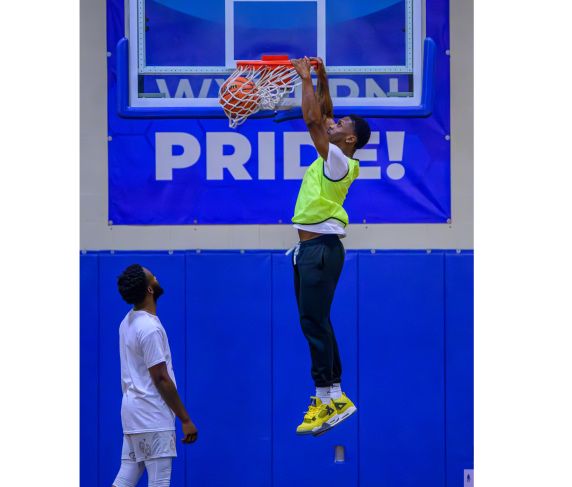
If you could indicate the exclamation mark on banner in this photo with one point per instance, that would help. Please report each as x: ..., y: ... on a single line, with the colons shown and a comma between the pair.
x: 395, y: 151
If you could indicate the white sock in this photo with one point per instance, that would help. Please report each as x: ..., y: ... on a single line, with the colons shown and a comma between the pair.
x: 323, y: 393
x: 336, y: 391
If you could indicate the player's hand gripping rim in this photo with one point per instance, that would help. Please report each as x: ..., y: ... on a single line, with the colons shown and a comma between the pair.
x: 302, y: 66
x: 321, y: 69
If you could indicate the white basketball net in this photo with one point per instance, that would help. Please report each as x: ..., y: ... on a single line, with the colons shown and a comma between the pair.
x: 271, y: 83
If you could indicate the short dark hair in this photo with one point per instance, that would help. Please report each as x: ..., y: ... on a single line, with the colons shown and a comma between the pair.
x: 132, y: 284
x: 363, y: 132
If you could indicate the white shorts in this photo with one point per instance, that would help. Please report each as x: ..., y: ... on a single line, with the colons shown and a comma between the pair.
x: 145, y: 446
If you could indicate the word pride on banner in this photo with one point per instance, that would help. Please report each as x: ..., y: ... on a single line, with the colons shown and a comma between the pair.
x: 176, y: 172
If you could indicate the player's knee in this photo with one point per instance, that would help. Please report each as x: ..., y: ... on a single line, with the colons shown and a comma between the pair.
x: 129, y: 473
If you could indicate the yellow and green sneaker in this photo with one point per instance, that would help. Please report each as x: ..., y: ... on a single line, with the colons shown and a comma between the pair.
x: 318, y: 419
x: 344, y: 407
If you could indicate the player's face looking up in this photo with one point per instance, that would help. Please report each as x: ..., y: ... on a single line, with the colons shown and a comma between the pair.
x: 154, y: 284
x: 343, y: 131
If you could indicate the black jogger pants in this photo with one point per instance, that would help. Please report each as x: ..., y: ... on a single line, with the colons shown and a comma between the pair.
x: 317, y: 265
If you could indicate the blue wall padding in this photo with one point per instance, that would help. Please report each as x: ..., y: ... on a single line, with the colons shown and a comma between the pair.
x: 459, y: 364
x: 404, y: 324
x: 307, y: 460
x: 170, y: 272
x: 401, y: 357
x: 229, y: 367
x: 89, y: 413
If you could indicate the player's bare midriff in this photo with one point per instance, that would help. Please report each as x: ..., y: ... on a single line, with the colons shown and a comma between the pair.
x: 305, y: 236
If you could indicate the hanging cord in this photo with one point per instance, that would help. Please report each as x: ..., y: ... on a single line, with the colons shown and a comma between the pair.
x: 296, y: 249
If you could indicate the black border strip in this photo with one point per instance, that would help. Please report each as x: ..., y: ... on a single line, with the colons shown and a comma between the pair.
x: 317, y: 223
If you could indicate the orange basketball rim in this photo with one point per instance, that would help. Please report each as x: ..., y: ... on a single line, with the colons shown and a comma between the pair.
x: 257, y: 85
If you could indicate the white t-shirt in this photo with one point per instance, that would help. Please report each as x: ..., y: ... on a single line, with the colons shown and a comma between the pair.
x: 335, y: 168
x: 142, y: 344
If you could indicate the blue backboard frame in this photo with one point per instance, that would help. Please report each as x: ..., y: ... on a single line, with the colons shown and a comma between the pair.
x: 423, y: 110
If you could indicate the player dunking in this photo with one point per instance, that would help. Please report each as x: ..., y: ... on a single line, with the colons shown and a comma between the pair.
x: 318, y: 257
x: 150, y: 398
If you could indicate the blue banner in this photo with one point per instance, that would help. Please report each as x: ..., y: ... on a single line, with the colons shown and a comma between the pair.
x: 180, y: 172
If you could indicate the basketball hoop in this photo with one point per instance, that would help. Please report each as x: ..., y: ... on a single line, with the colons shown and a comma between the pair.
x: 257, y: 85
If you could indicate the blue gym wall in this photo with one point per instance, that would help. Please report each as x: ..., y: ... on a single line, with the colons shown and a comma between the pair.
x: 404, y: 323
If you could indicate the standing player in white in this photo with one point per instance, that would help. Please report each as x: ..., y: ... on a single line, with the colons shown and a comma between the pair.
x: 150, y: 397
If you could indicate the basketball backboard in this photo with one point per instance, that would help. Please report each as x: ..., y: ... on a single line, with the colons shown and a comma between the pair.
x: 179, y: 53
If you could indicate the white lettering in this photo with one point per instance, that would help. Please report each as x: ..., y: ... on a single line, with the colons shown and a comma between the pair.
x: 216, y: 161
x: 162, y: 85
x: 351, y: 84
x: 266, y: 157
x: 395, y: 145
x: 165, y: 161
x: 373, y: 89
x: 369, y: 172
x: 395, y: 142
x: 292, y: 143
x: 184, y: 88
x: 393, y: 85
x: 205, y: 88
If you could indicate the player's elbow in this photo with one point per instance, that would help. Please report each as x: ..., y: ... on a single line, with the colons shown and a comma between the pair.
x: 312, y: 122
x: 160, y: 381
x: 159, y: 374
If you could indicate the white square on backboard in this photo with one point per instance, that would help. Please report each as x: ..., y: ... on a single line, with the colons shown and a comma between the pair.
x: 469, y: 478
x: 229, y: 28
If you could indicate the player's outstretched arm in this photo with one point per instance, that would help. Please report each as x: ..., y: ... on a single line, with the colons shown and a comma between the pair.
x: 311, y: 108
x: 168, y: 391
x: 323, y: 92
